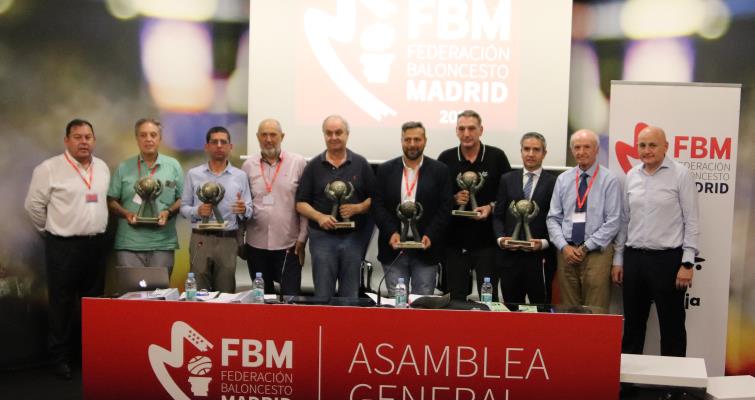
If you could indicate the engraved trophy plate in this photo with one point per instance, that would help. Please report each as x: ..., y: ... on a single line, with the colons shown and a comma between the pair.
x: 524, y: 211
x: 339, y: 192
x: 472, y: 182
x: 212, y: 193
x: 148, y: 189
x: 409, y: 213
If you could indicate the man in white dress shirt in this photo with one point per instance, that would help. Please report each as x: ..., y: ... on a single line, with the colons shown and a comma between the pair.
x: 67, y: 204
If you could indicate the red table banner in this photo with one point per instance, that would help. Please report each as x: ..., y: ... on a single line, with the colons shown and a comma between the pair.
x: 178, y: 350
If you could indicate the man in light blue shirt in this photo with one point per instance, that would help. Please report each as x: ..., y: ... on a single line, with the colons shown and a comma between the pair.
x: 213, y: 252
x: 582, y: 223
x: 657, y: 244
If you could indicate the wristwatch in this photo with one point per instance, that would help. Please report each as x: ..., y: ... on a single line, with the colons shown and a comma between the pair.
x: 687, y: 265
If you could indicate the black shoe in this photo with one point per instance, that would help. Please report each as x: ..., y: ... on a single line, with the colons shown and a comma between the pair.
x: 62, y: 370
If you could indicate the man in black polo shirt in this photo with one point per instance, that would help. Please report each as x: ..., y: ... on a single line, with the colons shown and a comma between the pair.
x: 336, y: 253
x: 470, y: 242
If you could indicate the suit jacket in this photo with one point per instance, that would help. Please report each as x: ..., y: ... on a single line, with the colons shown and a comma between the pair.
x: 433, y: 193
x: 511, y: 189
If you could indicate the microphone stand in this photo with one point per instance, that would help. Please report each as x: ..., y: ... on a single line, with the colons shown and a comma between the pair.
x: 385, y: 273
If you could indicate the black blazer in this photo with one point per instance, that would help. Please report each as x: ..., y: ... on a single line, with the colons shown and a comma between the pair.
x: 433, y: 192
x: 511, y: 189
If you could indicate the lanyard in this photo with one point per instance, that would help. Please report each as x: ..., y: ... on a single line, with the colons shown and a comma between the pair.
x: 269, y: 186
x: 139, y: 167
x: 410, y: 189
x: 581, y: 202
x: 91, y: 172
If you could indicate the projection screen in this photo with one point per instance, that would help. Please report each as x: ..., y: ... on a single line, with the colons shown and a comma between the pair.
x: 380, y: 63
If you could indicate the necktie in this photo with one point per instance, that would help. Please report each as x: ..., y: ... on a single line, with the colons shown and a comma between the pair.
x: 578, y: 228
x: 528, y: 186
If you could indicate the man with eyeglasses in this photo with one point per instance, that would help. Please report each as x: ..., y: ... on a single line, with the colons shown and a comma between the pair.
x: 213, y: 252
x: 138, y: 245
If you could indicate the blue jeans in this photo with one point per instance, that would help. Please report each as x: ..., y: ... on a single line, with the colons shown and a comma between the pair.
x: 335, y: 257
x: 418, y: 275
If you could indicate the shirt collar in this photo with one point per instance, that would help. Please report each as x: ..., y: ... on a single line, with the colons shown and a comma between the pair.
x: 421, y: 160
x: 225, y: 171
x: 74, y: 160
x: 537, y: 172
x: 590, y: 171
x: 324, y: 159
x: 480, y: 155
x: 158, y: 159
x: 261, y: 159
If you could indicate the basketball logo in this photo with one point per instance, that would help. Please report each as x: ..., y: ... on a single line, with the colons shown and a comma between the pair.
x: 200, y: 365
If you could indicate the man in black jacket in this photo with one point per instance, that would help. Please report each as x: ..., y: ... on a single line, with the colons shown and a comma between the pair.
x: 526, y: 271
x: 412, y: 177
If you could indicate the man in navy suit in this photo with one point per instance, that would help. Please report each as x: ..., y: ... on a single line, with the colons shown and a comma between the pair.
x: 526, y: 271
x: 412, y: 177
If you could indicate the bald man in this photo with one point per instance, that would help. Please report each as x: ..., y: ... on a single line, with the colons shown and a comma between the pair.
x: 582, y: 223
x: 657, y: 244
x: 276, y: 233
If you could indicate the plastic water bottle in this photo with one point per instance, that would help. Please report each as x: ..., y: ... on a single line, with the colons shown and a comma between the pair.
x: 258, y: 289
x: 190, y: 288
x: 401, y: 299
x: 486, y: 292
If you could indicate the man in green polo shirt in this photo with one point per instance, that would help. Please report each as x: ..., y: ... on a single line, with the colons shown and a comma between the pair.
x: 146, y: 245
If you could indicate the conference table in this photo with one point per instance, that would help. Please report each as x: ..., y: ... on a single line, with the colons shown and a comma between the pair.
x: 200, y: 350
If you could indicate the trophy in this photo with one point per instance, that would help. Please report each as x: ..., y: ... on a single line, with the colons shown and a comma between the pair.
x: 409, y: 213
x: 212, y: 193
x: 524, y: 211
x: 338, y: 192
x: 148, y: 189
x: 472, y: 182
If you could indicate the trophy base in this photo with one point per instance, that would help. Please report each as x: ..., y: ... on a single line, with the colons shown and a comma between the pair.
x: 345, y: 225
x: 519, y: 243
x: 410, y: 245
x: 212, y: 226
x: 467, y: 214
x: 146, y: 221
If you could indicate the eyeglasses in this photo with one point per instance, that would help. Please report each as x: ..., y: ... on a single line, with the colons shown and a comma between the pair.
x: 218, y: 142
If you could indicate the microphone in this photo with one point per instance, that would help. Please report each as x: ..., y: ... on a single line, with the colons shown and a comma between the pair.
x: 385, y: 273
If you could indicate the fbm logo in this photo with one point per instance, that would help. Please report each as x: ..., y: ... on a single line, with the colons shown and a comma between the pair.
x: 696, y: 147
x: 199, y: 366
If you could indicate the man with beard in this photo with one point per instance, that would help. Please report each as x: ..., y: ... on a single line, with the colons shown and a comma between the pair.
x: 213, y: 252
x: 66, y: 203
x: 336, y: 253
x: 426, y: 182
x: 146, y: 245
x: 276, y: 233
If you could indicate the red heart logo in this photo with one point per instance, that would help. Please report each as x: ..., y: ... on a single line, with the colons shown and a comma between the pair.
x: 624, y: 151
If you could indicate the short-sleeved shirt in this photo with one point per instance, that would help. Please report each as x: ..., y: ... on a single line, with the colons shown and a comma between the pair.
x: 146, y: 237
x: 319, y: 172
x: 491, y: 163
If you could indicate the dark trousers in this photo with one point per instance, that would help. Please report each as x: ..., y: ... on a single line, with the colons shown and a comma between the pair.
x: 524, y: 274
x: 650, y: 276
x: 460, y: 263
x: 280, y: 266
x: 75, y: 269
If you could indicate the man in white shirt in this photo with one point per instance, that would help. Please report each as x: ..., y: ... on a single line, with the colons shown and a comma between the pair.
x: 67, y: 204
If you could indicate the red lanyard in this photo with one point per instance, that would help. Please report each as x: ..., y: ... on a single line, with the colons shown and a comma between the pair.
x: 139, y: 167
x: 91, y: 172
x: 581, y: 202
x: 410, y: 189
x: 269, y: 186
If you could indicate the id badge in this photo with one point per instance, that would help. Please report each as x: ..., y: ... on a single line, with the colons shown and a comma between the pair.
x: 579, y: 217
x: 91, y: 197
x: 268, y: 200
x: 137, y: 200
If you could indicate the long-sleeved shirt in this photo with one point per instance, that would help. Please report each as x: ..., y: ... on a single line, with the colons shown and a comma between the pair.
x: 275, y: 224
x: 234, y: 181
x: 61, y: 201
x: 603, y: 208
x: 660, y: 211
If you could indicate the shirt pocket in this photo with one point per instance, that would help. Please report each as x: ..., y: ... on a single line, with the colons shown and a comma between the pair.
x: 168, y: 195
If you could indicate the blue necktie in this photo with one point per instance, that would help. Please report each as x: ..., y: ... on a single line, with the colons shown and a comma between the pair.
x: 578, y: 229
x: 528, y: 186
